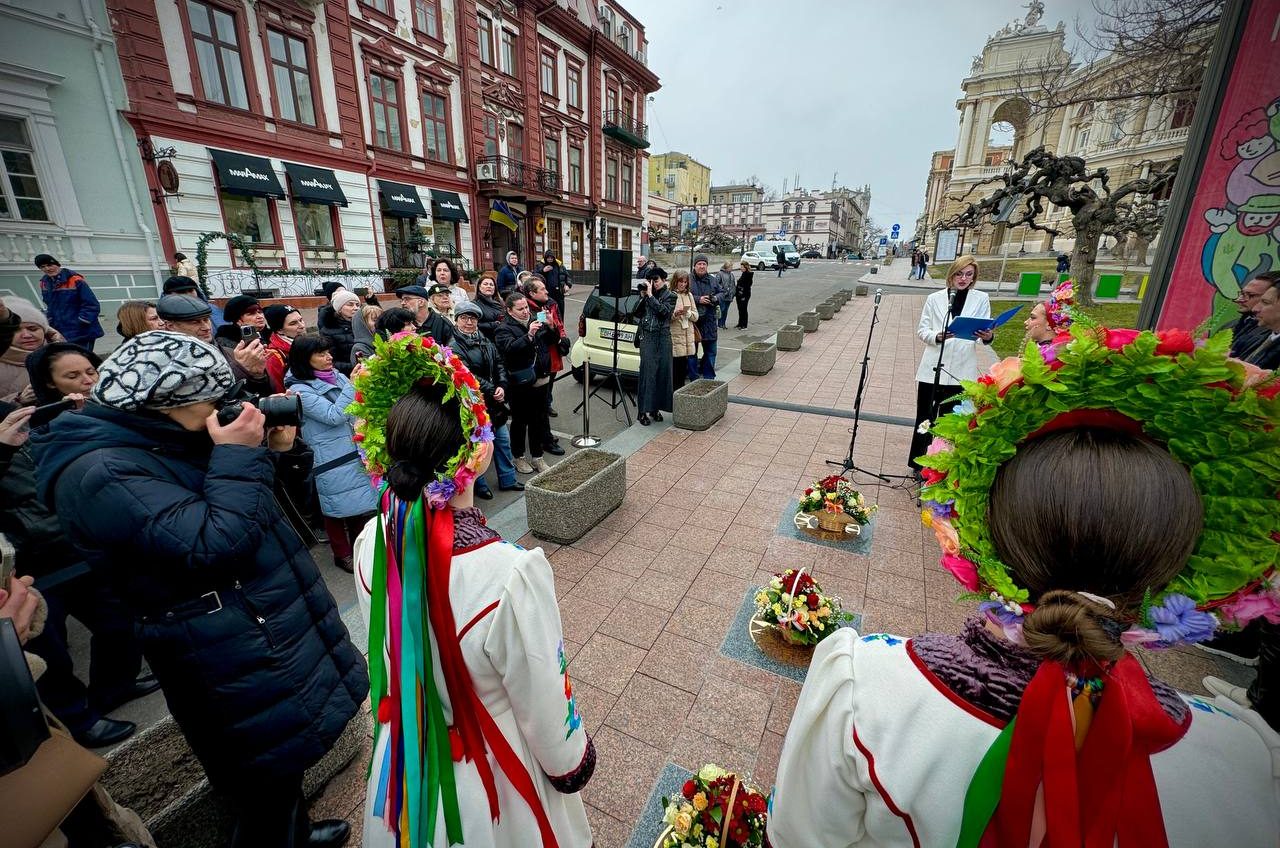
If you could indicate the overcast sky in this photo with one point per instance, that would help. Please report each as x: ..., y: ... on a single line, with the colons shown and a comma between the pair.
x: 816, y: 87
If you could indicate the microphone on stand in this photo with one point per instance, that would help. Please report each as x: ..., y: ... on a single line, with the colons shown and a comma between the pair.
x: 879, y: 294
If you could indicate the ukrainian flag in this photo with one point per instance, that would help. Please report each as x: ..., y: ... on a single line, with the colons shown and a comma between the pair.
x: 500, y: 213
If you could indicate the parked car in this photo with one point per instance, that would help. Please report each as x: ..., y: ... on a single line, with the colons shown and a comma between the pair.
x: 596, y: 339
x: 760, y: 261
x: 811, y: 254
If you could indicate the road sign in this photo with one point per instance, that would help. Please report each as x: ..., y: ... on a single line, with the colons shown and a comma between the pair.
x: 884, y: 240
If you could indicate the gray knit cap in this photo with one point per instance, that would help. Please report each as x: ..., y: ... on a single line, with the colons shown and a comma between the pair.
x: 701, y: 257
x: 162, y: 370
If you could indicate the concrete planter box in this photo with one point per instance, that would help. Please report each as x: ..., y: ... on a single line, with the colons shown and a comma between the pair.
x: 758, y: 358
x: 565, y: 501
x: 846, y: 294
x: 836, y: 301
x: 700, y: 404
x: 826, y: 310
x: 863, y: 290
x: 875, y: 270
x: 790, y: 337
x: 809, y: 321
x: 156, y: 775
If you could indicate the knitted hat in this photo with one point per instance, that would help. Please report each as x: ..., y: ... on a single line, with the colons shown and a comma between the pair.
x: 179, y: 283
x: 161, y: 369
x: 701, y: 257
x: 277, y: 314
x: 341, y: 298
x: 329, y: 288
x: 237, y: 306
x: 179, y: 307
x: 43, y: 259
x: 27, y: 312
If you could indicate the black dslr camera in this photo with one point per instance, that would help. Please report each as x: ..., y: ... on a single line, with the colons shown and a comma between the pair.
x: 280, y: 411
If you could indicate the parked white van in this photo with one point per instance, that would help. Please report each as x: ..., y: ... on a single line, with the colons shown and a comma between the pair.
x: 763, y: 254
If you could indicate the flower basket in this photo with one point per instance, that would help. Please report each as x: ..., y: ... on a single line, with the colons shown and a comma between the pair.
x: 833, y: 509
x: 797, y: 609
x: 714, y: 807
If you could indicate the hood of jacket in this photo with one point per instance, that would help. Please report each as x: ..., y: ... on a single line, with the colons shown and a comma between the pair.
x: 69, y: 437
x: 327, y: 316
x: 362, y: 334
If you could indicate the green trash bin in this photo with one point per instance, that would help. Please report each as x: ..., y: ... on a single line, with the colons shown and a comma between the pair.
x: 1108, y: 285
x: 1029, y: 283
x: 1063, y: 277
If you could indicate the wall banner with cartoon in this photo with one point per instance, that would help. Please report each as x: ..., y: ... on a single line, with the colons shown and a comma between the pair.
x: 1230, y: 228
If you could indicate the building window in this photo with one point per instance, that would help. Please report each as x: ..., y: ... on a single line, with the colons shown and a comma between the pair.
x: 383, y: 6
x: 624, y: 37
x: 508, y: 52
x: 575, y: 170
x: 435, y: 126
x: 20, y: 194
x: 812, y: 207
x: 218, y: 54
x: 490, y: 135
x: 626, y: 239
x: 611, y: 102
x: 249, y: 217
x: 292, y: 75
x: 611, y: 179
x: 547, y: 74
x: 515, y: 141
x: 1083, y: 140
x: 551, y: 155
x: 1184, y: 109
x: 486, y: 41
x: 786, y: 208
x: 384, y: 103
x: 426, y: 17
x: 573, y: 76
x: 808, y: 225
x: 626, y: 183
x: 315, y: 225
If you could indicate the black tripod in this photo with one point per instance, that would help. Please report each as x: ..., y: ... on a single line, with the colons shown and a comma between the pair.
x: 613, y: 380
x: 847, y: 464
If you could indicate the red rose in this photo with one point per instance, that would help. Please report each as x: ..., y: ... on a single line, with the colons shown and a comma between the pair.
x: 359, y: 397
x: 1270, y: 390
x: 690, y: 789
x: 482, y: 417
x: 1173, y: 342
x: 814, y: 600
x: 932, y: 476
x: 808, y: 491
x: 427, y: 341
x: 1117, y: 339
x: 358, y: 437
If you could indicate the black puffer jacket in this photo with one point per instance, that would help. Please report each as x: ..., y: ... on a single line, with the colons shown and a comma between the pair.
x: 484, y: 361
x: 37, y: 537
x: 519, y: 351
x: 227, y: 338
x: 339, y: 331
x: 262, y: 677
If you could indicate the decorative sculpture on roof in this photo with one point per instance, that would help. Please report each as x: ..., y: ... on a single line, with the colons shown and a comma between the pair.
x: 1035, y: 11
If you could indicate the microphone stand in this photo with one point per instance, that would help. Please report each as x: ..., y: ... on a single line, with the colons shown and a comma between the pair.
x: 934, y: 401
x: 847, y: 464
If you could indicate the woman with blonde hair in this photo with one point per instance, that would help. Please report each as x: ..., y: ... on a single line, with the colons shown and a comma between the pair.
x: 136, y: 317
x: 959, y: 358
x: 684, y: 339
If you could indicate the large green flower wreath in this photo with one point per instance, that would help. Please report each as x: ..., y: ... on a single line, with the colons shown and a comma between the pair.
x: 1216, y: 416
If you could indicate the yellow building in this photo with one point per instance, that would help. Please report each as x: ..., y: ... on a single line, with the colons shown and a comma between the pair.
x: 680, y: 178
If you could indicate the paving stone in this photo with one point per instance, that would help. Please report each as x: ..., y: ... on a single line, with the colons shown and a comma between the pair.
x: 651, y: 711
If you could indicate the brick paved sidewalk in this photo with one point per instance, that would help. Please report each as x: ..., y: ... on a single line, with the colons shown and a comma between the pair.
x: 648, y: 596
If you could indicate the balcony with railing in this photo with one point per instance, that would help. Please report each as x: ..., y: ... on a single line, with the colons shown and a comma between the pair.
x: 626, y: 129
x: 505, y: 172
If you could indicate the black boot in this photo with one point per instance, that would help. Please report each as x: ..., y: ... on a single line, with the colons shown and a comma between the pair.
x: 105, y: 732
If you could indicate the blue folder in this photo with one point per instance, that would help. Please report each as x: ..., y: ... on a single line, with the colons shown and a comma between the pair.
x: 964, y: 328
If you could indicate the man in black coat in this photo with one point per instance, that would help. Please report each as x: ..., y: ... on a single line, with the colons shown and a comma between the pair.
x: 485, y: 362
x: 429, y: 322
x: 556, y: 277
x: 1245, y: 332
x: 179, y: 513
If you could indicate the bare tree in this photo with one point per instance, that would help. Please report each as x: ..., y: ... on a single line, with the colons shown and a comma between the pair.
x: 1065, y: 182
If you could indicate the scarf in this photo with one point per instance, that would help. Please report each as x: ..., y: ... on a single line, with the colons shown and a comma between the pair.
x: 14, y: 377
x: 328, y: 376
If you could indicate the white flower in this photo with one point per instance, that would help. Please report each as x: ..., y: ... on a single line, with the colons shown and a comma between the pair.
x: 923, y: 429
x: 711, y: 772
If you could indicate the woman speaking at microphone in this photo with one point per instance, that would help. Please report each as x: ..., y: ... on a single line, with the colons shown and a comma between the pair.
x: 959, y: 357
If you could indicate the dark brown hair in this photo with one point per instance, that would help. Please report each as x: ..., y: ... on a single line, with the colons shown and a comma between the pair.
x: 1091, y: 510
x: 453, y: 270
x: 423, y: 433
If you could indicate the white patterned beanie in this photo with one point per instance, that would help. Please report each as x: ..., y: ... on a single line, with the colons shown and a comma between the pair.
x: 162, y: 369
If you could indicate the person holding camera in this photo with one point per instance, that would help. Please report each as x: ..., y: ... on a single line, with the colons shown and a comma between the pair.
x: 239, y: 343
x: 526, y: 342
x: 177, y: 506
x: 653, y: 394
x: 484, y: 361
x: 347, y: 498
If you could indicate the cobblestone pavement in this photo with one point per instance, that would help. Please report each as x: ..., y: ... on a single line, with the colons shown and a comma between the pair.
x: 648, y: 596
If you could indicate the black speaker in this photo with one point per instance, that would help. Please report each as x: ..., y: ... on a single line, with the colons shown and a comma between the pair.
x: 615, y: 272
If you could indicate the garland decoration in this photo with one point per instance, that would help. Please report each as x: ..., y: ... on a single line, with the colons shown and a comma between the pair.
x: 1215, y: 415
x: 202, y: 255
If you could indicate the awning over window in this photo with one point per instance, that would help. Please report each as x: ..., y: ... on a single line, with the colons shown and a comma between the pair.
x: 400, y: 200
x: 314, y: 185
x: 447, y: 206
x: 244, y: 174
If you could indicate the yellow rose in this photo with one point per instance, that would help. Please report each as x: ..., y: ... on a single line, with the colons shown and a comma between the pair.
x: 823, y: 612
x: 777, y: 610
x: 700, y: 801
x: 683, y: 822
x: 712, y: 842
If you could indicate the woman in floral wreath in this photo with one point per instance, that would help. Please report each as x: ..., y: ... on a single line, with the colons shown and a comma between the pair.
x: 1087, y: 498
x: 1051, y: 320
x: 478, y: 740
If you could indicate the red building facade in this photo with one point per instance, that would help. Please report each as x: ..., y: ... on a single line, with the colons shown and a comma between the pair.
x: 372, y: 134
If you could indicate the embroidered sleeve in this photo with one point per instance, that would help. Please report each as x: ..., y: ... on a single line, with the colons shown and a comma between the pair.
x: 526, y: 645
x: 574, y: 781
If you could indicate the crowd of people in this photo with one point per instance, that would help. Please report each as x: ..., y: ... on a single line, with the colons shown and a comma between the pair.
x: 161, y: 498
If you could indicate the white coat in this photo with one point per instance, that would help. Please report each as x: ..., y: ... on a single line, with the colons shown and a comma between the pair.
x: 959, y: 357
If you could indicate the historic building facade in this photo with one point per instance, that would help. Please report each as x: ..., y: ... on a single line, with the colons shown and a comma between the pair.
x: 373, y: 134
x: 1125, y: 138
x: 680, y: 178
x: 828, y: 221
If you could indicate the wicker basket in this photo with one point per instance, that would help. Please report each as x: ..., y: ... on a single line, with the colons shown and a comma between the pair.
x: 828, y: 525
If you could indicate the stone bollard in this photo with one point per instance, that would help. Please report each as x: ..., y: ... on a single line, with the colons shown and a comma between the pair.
x: 758, y: 358
x: 825, y: 311
x: 790, y: 337
x: 809, y: 321
x: 863, y: 290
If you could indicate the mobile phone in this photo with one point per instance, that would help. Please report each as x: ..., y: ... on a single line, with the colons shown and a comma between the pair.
x: 248, y: 332
x: 542, y: 316
x: 44, y: 414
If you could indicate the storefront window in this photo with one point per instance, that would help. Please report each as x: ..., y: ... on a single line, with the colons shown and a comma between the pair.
x: 249, y: 217
x: 315, y: 224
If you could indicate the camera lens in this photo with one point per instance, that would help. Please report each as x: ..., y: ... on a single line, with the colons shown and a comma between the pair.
x: 281, y: 411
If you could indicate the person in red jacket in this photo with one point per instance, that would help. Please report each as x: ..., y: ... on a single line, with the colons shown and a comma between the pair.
x: 286, y: 324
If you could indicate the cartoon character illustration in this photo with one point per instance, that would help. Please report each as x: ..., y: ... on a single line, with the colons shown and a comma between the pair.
x: 1246, y: 248
x: 1258, y: 171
